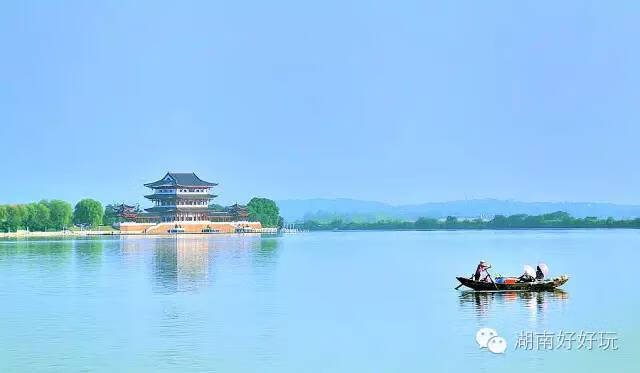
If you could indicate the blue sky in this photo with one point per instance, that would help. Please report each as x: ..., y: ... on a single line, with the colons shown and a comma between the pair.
x: 402, y: 103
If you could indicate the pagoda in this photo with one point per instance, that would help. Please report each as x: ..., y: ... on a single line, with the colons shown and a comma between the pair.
x: 238, y: 212
x: 127, y: 212
x: 180, y: 197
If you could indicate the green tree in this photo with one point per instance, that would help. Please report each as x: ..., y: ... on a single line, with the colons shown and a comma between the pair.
x: 88, y: 211
x: 426, y: 223
x: 110, y: 214
x: 451, y: 221
x: 39, y: 216
x: 516, y: 221
x: 499, y: 221
x: 265, y: 211
x: 61, y: 213
x: 3, y: 218
x: 30, y: 216
x: 16, y: 217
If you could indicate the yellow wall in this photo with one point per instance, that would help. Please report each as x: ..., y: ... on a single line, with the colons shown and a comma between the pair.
x: 189, y: 227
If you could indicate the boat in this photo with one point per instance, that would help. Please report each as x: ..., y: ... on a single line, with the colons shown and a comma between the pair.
x: 545, y: 285
x: 176, y: 230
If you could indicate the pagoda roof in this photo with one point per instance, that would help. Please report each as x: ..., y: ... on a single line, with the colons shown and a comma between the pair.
x: 236, y: 207
x: 179, y: 179
x: 167, y: 209
x: 160, y: 196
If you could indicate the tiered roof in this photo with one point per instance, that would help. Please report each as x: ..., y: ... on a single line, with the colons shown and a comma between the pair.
x: 176, y: 179
x: 161, y: 196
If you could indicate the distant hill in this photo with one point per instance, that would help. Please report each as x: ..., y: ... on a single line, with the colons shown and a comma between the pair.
x: 352, y: 209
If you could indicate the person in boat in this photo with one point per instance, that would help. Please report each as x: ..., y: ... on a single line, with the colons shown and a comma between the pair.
x: 539, y: 273
x: 482, y: 267
x: 527, y: 276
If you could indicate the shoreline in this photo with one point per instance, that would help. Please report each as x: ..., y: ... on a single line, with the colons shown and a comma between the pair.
x: 472, y: 229
x: 72, y: 234
x: 57, y: 234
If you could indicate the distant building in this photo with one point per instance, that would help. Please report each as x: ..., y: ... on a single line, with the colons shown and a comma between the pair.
x: 181, y: 204
x: 185, y: 197
x: 235, y: 212
x: 180, y: 197
x: 238, y: 212
x: 126, y: 212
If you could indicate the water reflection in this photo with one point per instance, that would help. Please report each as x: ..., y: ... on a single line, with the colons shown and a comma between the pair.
x: 56, y: 251
x: 483, y: 303
x: 165, y: 266
x: 88, y: 252
x: 265, y: 253
x: 189, y: 263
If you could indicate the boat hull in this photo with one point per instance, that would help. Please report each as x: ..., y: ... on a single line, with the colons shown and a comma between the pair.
x: 548, y: 285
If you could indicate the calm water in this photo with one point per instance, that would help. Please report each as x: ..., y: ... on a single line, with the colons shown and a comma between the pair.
x: 314, y: 302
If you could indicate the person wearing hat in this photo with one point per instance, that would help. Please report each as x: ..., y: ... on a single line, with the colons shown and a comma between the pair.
x: 482, y: 267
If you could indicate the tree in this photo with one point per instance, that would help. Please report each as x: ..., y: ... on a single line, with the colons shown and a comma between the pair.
x: 110, y: 214
x: 426, y: 223
x: 88, y: 211
x: 499, y: 221
x: 3, y: 218
x: 265, y: 211
x: 16, y: 217
x: 41, y: 218
x: 30, y: 216
x: 516, y: 221
x: 61, y: 213
x: 451, y: 221
x: 37, y: 216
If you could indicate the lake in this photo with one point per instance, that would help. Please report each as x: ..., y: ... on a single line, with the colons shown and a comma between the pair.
x: 312, y: 302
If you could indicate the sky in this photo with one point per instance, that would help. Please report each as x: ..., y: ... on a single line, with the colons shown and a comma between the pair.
x: 399, y: 102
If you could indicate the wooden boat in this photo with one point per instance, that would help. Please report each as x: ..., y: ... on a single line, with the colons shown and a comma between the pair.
x: 546, y: 285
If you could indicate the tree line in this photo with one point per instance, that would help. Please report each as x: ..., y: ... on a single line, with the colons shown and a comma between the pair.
x: 56, y: 215
x: 559, y: 219
x: 51, y: 215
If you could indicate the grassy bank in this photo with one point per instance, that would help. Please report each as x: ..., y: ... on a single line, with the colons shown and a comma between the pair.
x: 560, y: 220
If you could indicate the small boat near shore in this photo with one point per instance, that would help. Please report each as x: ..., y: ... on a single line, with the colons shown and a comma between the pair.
x: 546, y: 285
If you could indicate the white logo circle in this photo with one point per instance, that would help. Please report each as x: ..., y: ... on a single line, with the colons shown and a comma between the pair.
x: 497, y: 345
x: 484, y: 335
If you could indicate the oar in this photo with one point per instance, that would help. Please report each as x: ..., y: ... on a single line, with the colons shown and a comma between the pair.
x: 457, y: 287
x: 491, y: 278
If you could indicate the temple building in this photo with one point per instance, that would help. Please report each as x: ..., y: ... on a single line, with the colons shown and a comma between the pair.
x: 238, y: 212
x: 181, y: 203
x: 180, y: 197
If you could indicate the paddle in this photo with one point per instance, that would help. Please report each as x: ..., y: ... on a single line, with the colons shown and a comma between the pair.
x: 457, y: 287
x: 491, y: 278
